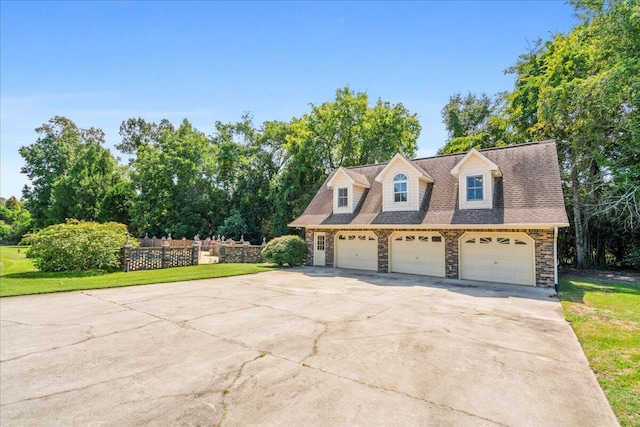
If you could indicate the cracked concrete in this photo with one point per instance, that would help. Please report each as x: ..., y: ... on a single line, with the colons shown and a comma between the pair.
x: 308, y: 346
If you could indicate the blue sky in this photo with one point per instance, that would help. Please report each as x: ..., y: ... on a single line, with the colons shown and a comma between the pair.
x: 99, y: 63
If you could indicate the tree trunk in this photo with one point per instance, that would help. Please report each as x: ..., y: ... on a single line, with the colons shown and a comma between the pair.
x: 577, y: 221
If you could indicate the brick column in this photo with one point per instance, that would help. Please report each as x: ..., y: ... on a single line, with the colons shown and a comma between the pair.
x: 195, y: 252
x: 308, y: 239
x: 166, y: 254
x: 329, y: 241
x: 383, y: 250
x: 452, y: 253
x: 544, y: 257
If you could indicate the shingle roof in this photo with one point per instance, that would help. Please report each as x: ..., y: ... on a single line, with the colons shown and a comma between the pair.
x: 529, y: 192
x: 357, y: 177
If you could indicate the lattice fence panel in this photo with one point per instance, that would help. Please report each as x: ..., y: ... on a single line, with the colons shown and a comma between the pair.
x: 179, y: 257
x: 145, y: 259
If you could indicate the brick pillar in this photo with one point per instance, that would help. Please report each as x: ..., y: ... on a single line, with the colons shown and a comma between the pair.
x: 195, y: 252
x: 452, y: 253
x: 126, y: 257
x: 126, y: 254
x: 545, y: 274
x: 383, y: 250
x: 166, y: 254
x: 308, y: 239
x: 328, y: 247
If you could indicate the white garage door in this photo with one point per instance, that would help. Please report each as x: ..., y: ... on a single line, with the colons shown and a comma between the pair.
x: 357, y: 250
x: 497, y: 257
x: 417, y: 253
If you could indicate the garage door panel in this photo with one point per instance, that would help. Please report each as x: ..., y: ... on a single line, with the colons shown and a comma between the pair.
x: 357, y: 250
x: 499, y: 257
x: 417, y: 253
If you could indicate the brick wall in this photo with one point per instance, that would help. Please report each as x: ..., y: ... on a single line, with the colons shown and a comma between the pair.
x: 544, y: 270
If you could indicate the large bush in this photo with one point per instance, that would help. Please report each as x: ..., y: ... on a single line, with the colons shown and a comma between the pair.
x: 286, y: 250
x: 77, y: 245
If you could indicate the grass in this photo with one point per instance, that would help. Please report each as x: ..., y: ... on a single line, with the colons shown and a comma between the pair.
x: 20, y: 277
x: 605, y: 315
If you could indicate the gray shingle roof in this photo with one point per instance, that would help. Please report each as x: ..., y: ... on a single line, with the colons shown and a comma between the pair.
x: 357, y: 177
x: 529, y: 192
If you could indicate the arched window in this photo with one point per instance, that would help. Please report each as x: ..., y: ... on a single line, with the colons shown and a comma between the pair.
x: 400, y: 194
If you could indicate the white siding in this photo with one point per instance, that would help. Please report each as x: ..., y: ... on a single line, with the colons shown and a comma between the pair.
x: 357, y: 195
x: 421, y: 190
x: 412, y: 188
x: 475, y: 166
x: 342, y: 181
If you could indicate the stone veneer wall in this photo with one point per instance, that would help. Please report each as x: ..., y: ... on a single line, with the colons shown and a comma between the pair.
x: 543, y: 249
x: 245, y: 253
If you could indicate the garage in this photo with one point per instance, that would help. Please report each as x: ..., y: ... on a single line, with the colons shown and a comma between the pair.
x: 418, y: 253
x: 498, y: 257
x: 358, y: 250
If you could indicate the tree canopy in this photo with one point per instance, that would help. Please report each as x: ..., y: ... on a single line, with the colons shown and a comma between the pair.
x: 581, y: 89
x: 243, y: 180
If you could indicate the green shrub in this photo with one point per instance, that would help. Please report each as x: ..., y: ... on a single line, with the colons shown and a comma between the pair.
x: 77, y: 246
x: 286, y: 250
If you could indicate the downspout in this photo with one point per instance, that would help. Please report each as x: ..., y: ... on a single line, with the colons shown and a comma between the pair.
x: 555, y: 257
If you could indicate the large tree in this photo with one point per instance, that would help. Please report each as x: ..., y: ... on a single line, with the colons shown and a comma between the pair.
x: 172, y: 173
x: 70, y: 172
x: 583, y: 90
x: 344, y: 132
x: 474, y: 122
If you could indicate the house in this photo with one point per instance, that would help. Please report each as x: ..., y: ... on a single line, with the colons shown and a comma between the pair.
x: 489, y: 215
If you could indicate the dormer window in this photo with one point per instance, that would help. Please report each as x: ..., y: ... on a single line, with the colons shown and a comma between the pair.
x: 475, y: 188
x: 343, y: 197
x: 400, y: 193
x: 476, y: 178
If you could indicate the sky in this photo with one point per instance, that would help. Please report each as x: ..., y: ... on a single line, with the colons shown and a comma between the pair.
x: 100, y: 63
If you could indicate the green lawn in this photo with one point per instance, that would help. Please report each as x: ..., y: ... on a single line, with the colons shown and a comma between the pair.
x: 605, y: 315
x: 20, y: 277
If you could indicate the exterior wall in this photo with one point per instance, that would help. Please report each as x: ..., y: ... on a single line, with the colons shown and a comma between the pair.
x: 544, y: 266
x: 328, y: 246
x: 357, y: 195
x: 342, y: 181
x: 475, y: 166
x: 422, y: 188
x: 397, y: 167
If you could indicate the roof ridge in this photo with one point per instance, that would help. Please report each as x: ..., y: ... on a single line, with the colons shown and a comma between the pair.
x: 545, y: 141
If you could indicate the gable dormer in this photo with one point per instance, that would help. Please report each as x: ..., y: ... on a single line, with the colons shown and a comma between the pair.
x: 348, y: 187
x: 475, y: 173
x: 403, y: 185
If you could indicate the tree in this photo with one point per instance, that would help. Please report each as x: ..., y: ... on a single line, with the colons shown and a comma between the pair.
x: 15, y: 221
x: 80, y: 193
x: 345, y: 132
x: 69, y: 170
x: 234, y: 226
x: 583, y: 90
x: 172, y: 171
x: 474, y: 122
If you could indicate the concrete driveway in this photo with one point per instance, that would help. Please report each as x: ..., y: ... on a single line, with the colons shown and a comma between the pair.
x: 298, y: 347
